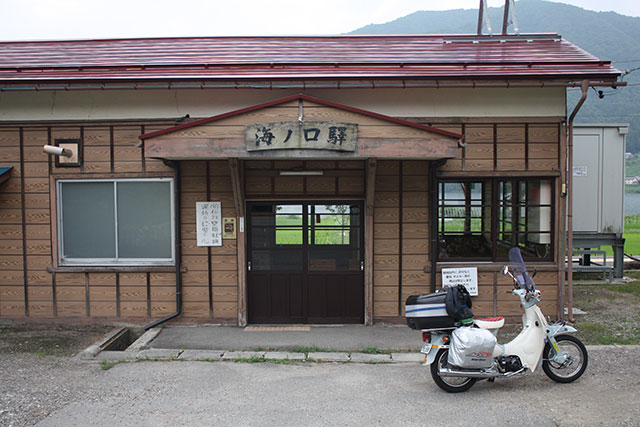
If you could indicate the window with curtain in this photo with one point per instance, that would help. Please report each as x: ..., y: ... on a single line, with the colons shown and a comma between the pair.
x: 483, y: 218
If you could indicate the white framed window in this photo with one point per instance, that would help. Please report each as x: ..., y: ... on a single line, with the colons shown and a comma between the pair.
x: 116, y: 222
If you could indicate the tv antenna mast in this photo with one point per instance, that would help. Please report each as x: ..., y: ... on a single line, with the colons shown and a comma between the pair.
x: 508, y: 18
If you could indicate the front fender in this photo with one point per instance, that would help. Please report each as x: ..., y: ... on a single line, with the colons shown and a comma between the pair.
x: 559, y: 328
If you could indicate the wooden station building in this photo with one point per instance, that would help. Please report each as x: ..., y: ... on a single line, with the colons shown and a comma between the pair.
x: 281, y: 179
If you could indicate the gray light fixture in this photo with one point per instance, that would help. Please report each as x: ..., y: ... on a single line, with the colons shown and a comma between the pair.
x: 301, y: 173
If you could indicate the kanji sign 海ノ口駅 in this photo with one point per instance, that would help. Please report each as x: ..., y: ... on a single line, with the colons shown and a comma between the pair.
x: 305, y: 135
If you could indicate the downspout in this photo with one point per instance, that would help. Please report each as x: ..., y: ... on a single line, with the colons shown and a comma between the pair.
x: 434, y: 220
x: 584, y: 86
x: 178, y: 246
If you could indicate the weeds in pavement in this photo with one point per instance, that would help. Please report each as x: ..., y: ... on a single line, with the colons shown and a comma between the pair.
x: 262, y: 359
x: 373, y: 350
x: 108, y: 364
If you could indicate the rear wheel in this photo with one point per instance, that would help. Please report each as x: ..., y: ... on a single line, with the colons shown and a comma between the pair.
x: 448, y: 384
x: 575, y: 359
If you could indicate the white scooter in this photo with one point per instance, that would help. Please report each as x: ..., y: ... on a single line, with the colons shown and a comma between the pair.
x: 563, y: 357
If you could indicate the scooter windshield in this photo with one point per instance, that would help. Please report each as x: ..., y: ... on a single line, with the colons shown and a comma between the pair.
x: 519, y: 270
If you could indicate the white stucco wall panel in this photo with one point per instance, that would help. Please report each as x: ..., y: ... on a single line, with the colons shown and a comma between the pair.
x: 147, y: 104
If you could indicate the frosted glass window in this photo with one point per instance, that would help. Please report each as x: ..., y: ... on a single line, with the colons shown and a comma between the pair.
x: 144, y: 219
x: 88, y: 220
x: 111, y: 222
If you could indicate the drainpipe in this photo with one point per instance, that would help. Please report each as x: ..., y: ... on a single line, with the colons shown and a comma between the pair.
x: 178, y: 246
x: 584, y: 86
x: 434, y: 220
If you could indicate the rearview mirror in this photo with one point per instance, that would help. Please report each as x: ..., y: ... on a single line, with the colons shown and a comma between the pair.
x: 505, y: 269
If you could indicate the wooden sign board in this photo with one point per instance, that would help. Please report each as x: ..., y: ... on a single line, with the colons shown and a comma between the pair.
x: 467, y: 276
x: 209, y: 223
x: 301, y: 135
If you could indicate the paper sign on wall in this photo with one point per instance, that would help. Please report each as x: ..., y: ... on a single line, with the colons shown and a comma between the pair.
x: 209, y: 223
x: 228, y: 228
x: 580, y: 171
x: 467, y: 276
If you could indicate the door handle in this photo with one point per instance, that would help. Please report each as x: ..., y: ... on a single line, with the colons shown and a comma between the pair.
x: 361, y: 265
x: 249, y: 265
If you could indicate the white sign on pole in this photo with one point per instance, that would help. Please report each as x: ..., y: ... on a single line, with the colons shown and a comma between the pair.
x: 467, y: 276
x: 209, y: 223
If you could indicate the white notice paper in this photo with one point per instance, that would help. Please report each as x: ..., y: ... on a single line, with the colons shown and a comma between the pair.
x: 580, y: 171
x: 209, y: 223
x: 467, y: 276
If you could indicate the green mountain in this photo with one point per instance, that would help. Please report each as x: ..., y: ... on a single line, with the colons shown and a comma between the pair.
x: 607, y: 35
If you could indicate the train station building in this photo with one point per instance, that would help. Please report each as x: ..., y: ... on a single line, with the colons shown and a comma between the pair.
x: 295, y: 180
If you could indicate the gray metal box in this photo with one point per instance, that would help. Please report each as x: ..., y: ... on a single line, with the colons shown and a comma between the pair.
x: 598, y: 178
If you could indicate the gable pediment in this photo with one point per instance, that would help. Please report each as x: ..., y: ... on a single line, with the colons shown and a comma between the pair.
x: 302, y: 127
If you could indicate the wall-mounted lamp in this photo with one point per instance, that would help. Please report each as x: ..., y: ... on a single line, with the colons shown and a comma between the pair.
x: 57, y: 151
x: 66, y: 152
x: 301, y: 173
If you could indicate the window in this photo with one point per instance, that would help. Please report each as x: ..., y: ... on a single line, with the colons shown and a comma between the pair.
x: 116, y: 222
x: 484, y: 218
x: 305, y: 236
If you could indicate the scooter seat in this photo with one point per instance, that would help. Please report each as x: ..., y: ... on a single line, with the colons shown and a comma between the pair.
x: 490, y: 322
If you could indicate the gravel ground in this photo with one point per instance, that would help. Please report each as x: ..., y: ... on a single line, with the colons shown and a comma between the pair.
x: 64, y: 391
x: 33, y: 387
x: 38, y: 374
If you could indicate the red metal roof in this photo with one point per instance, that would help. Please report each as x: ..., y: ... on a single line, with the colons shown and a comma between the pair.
x: 318, y: 57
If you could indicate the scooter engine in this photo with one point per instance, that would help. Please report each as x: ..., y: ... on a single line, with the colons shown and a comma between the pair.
x: 509, y: 363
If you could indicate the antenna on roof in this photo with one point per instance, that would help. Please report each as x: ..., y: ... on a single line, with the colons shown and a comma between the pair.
x: 508, y: 19
x: 483, y: 14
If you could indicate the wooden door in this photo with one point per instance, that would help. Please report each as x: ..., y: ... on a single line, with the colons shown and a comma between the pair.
x: 305, y: 262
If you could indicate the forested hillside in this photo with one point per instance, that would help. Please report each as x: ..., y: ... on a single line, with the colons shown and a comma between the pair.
x: 607, y: 35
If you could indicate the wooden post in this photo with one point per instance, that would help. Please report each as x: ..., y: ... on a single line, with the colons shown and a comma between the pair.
x: 368, y: 236
x: 238, y: 198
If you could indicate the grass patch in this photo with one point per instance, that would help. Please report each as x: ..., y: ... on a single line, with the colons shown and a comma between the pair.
x: 105, y: 365
x: 612, y: 315
x: 309, y: 349
x: 373, y: 350
x: 261, y: 359
x: 631, y: 233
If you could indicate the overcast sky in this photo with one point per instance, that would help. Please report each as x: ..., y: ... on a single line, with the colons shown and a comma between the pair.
x: 73, y: 19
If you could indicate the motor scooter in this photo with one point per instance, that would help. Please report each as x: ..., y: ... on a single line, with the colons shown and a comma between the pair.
x: 563, y: 357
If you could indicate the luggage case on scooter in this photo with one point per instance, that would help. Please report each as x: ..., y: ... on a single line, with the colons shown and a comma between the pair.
x: 427, y: 311
x: 471, y: 348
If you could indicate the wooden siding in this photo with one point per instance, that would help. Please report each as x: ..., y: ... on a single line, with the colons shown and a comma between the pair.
x: 340, y: 179
x: 401, y: 235
x: 505, y: 147
x: 28, y: 234
x: 210, y: 284
x: 31, y: 284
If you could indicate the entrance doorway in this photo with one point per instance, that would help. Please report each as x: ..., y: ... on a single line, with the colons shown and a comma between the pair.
x: 305, y: 262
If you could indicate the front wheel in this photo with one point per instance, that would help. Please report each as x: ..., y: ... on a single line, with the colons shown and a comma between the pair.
x: 575, y: 359
x: 448, y: 384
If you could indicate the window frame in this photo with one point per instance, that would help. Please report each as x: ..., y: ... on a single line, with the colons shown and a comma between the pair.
x: 495, y: 221
x: 115, y: 261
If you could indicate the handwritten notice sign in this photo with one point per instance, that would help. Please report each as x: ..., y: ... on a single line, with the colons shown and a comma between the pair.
x: 467, y: 276
x: 209, y: 223
x: 305, y: 135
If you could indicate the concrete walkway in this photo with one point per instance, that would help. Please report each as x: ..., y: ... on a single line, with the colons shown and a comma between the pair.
x: 336, y: 343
